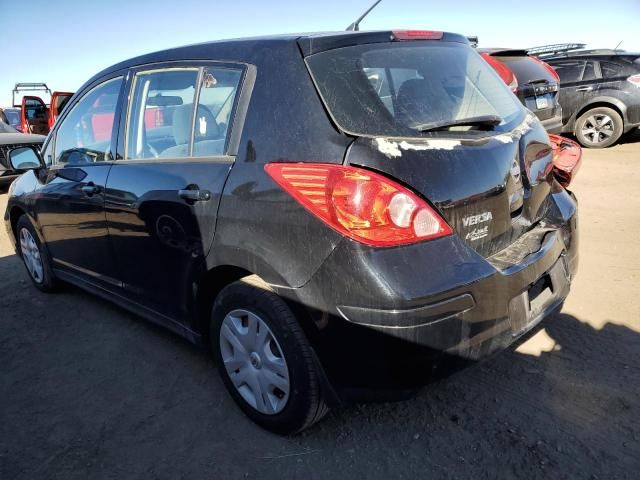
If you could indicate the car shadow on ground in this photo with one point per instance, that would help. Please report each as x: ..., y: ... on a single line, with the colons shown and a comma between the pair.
x: 630, y: 137
x: 91, y: 391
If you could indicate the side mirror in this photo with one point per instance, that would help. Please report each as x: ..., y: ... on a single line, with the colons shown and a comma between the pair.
x: 25, y: 158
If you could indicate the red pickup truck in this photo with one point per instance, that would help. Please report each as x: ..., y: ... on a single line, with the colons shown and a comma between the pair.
x: 35, y: 115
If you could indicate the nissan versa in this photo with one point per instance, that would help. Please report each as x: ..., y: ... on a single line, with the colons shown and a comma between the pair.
x: 336, y: 215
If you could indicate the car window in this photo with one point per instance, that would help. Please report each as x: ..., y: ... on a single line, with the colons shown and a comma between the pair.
x: 589, y: 72
x: 570, y: 70
x: 434, y: 84
x: 84, y: 136
x: 159, y: 122
x: 218, y: 91
x: 610, y: 70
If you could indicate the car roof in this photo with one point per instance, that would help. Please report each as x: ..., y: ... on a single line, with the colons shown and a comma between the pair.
x: 244, y: 49
x: 601, y: 53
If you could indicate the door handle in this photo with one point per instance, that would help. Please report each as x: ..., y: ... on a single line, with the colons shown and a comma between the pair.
x: 584, y: 89
x: 90, y: 189
x: 195, y: 195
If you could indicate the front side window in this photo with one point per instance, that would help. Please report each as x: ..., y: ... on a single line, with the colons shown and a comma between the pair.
x: 84, y: 136
x: 407, y: 89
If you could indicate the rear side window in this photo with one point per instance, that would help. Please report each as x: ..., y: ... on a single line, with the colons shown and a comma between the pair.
x: 570, y: 70
x: 400, y: 89
x: 611, y: 70
x: 84, y: 136
x: 218, y: 91
x: 162, y: 121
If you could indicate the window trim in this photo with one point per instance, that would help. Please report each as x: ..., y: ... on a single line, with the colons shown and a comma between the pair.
x: 238, y: 112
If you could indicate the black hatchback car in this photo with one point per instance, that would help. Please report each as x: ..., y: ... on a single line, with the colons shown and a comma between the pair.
x: 599, y: 94
x: 333, y: 214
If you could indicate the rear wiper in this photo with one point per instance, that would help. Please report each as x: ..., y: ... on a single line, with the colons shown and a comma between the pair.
x: 480, y: 121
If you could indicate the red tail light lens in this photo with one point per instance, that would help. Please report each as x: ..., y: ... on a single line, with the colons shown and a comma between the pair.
x: 505, y: 72
x: 360, y: 204
x: 548, y: 67
x: 635, y: 79
x: 404, y: 35
x: 567, y: 157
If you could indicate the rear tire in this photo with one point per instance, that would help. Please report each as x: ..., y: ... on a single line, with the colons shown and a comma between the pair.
x: 599, y: 127
x: 264, y: 358
x: 34, y: 255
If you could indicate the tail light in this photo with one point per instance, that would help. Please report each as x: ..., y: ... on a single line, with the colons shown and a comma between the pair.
x: 567, y: 157
x: 505, y: 72
x: 634, y: 79
x: 548, y: 68
x: 360, y: 204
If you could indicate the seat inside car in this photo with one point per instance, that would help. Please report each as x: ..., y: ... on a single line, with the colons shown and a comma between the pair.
x: 207, y: 139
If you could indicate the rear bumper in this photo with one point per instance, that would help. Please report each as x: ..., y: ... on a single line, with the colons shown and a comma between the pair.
x: 401, y: 317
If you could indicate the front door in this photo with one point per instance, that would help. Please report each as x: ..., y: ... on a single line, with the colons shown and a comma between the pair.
x: 163, y: 195
x: 70, y: 206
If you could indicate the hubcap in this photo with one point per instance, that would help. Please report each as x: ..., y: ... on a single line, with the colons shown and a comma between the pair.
x: 31, y: 255
x: 254, y: 361
x: 598, y: 128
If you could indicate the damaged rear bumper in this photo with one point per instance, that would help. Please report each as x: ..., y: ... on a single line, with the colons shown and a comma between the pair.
x: 404, y: 316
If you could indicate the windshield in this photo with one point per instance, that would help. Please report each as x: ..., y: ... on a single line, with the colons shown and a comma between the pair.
x: 404, y: 88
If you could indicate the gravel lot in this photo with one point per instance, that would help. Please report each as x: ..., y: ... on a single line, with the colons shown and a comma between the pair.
x: 89, y: 391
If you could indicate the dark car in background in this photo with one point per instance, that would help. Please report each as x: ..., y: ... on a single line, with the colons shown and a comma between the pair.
x: 533, y: 81
x: 599, y: 92
x: 10, y: 138
x: 11, y: 116
x: 351, y: 212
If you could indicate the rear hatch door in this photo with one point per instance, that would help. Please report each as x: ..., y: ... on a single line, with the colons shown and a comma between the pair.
x: 435, y: 116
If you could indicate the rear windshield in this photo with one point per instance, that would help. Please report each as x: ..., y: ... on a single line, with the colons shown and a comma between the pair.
x: 526, y: 69
x: 400, y: 89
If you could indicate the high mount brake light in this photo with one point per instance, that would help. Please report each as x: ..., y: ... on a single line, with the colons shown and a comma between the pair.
x: 548, y: 67
x: 634, y: 79
x: 404, y: 35
x: 360, y: 204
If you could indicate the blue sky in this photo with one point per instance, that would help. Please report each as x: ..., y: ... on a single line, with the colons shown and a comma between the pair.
x: 65, y: 42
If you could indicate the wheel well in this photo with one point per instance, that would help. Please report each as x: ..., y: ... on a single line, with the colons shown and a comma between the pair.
x: 591, y: 106
x: 207, y: 290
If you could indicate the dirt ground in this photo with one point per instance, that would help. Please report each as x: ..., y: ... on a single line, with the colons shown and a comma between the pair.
x: 89, y: 391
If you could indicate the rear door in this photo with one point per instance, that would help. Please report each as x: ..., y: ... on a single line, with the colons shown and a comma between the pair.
x: 163, y: 191
x: 70, y: 202
x: 578, y: 84
x: 453, y: 132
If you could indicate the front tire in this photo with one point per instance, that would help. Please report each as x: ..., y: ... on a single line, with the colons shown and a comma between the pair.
x: 599, y: 127
x: 34, y: 255
x: 264, y: 358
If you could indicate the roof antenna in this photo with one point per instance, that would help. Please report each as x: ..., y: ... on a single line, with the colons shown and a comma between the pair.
x: 355, y: 26
x: 619, y: 43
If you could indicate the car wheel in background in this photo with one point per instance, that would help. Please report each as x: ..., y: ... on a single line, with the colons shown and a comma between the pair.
x: 264, y: 358
x: 600, y: 127
x: 34, y: 255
